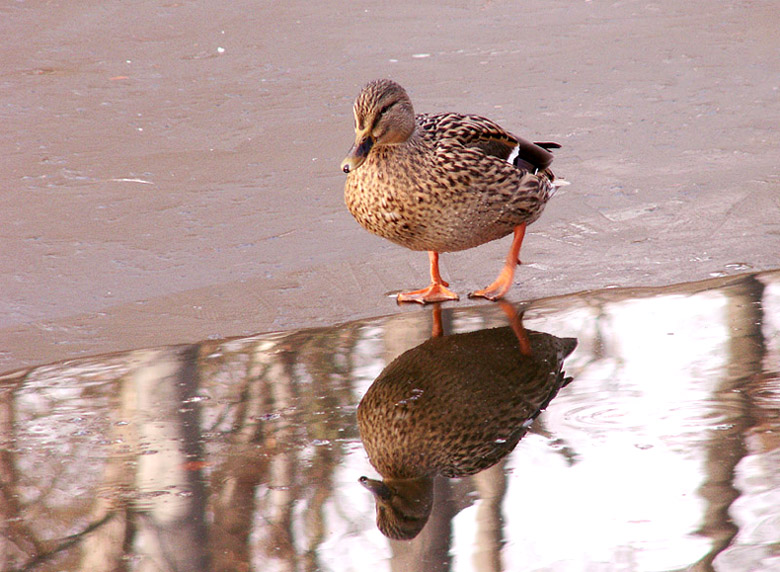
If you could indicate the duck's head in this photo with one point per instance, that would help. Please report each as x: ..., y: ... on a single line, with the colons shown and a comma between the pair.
x: 383, y: 116
x: 402, y: 505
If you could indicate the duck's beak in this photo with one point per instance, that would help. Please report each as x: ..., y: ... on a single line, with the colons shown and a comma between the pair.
x: 357, y: 154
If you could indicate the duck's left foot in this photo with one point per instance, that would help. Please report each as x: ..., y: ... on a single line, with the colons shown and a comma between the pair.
x: 503, y: 283
x: 491, y: 293
x: 497, y: 289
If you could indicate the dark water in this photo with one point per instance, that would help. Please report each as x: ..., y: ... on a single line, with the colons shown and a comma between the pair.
x: 662, y: 454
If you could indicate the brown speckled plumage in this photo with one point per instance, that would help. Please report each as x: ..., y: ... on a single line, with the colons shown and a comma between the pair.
x: 453, y: 406
x: 440, y: 182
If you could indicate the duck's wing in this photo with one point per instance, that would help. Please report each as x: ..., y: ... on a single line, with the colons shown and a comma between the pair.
x: 468, y: 131
x: 478, y: 132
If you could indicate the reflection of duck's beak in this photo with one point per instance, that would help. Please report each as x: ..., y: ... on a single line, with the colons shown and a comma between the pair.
x: 358, y: 153
x: 377, y: 488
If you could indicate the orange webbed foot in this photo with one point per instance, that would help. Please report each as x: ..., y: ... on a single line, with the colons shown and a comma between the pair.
x: 435, y: 292
x: 503, y: 283
x: 498, y: 288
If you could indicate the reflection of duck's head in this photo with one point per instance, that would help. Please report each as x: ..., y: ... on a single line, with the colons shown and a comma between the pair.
x: 452, y: 406
x: 402, y: 505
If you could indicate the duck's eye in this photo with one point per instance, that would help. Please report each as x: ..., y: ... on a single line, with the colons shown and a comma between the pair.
x: 385, y: 108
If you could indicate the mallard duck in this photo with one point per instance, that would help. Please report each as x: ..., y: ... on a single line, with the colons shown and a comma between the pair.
x: 453, y: 406
x: 442, y: 183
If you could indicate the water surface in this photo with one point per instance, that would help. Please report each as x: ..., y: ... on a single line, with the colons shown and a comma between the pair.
x: 244, y: 454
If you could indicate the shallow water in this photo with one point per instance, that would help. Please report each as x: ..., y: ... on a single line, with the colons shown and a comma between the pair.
x: 244, y: 454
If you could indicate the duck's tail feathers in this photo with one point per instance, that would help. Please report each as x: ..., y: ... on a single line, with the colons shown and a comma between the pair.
x: 551, y: 183
x: 548, y: 144
x: 556, y: 184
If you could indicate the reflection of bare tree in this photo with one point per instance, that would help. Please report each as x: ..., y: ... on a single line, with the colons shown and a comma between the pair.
x: 765, y: 396
x: 241, y: 466
x: 17, y: 541
x: 726, y: 447
x: 170, y: 512
x: 307, y: 376
x: 153, y: 494
x: 764, y: 392
x: 327, y: 361
x: 491, y: 485
x: 30, y: 527
x: 274, y: 407
x: 151, y: 497
x: 279, y: 541
x: 105, y: 549
x: 756, y: 547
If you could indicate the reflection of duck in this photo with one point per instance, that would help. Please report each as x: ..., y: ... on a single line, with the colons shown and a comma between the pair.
x: 453, y: 406
x: 442, y: 182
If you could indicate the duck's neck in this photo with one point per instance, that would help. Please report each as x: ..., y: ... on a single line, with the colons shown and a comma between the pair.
x: 410, y: 146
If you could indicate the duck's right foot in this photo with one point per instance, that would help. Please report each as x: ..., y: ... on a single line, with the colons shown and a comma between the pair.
x: 436, y: 292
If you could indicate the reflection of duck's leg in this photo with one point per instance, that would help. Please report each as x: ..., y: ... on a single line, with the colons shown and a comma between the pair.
x: 503, y: 283
x: 516, y: 321
x: 437, y: 291
x: 437, y: 329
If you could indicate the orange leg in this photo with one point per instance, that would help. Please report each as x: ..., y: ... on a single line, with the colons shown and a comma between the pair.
x: 503, y: 283
x: 436, y: 292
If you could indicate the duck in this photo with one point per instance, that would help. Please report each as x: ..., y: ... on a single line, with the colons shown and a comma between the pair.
x: 443, y: 182
x: 453, y: 406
